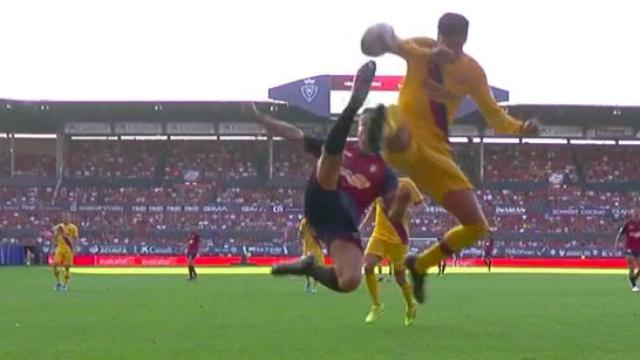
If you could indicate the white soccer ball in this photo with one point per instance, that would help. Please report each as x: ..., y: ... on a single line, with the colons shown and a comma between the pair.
x: 377, y: 39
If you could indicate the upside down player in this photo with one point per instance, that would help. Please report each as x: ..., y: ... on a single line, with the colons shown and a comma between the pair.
x: 65, y: 236
x: 310, y: 247
x: 390, y: 239
x: 193, y: 246
x: 631, y: 232
x: 346, y: 180
x: 439, y: 76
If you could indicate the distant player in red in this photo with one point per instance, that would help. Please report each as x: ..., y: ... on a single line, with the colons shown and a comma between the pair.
x: 193, y: 245
x: 631, y: 232
x: 488, y: 252
x: 345, y: 182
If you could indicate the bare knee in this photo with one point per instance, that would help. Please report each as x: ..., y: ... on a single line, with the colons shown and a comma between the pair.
x: 369, y: 269
x: 349, y: 282
x: 370, y: 263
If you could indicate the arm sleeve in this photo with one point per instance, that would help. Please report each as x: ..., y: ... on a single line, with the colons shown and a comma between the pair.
x: 493, y: 114
x: 415, y: 47
x: 313, y: 145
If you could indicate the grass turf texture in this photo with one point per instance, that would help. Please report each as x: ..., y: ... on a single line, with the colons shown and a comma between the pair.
x: 468, y: 316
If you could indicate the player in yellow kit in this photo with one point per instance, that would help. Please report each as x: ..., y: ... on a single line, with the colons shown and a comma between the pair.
x: 390, y: 239
x: 439, y: 76
x: 310, y: 247
x: 65, y: 236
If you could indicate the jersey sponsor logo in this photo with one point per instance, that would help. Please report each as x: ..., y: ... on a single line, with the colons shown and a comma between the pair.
x: 358, y: 181
x: 309, y: 90
x: 634, y: 234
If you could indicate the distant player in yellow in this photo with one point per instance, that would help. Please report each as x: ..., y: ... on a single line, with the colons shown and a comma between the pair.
x: 390, y: 239
x: 64, y: 238
x: 310, y: 247
x: 439, y: 76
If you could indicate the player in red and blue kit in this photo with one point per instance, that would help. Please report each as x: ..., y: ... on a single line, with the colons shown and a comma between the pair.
x: 488, y: 252
x: 193, y: 245
x: 345, y: 182
x: 631, y: 232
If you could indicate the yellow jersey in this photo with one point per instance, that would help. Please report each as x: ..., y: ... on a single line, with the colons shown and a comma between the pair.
x: 383, y: 227
x: 65, y: 236
x: 429, y: 112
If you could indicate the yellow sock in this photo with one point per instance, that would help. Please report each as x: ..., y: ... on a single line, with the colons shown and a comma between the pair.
x: 56, y: 274
x: 407, y: 292
x: 454, y: 240
x: 372, y: 285
x: 67, y: 276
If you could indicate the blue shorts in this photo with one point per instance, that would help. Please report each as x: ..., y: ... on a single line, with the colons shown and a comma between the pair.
x: 632, y: 253
x: 332, y: 214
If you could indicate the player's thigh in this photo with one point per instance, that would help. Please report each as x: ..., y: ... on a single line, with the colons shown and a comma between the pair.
x: 58, y: 258
x: 375, y: 249
x: 396, y: 254
x: 328, y: 171
x: 450, y: 187
x: 68, y: 259
x: 464, y: 205
x: 347, y: 259
x: 370, y: 262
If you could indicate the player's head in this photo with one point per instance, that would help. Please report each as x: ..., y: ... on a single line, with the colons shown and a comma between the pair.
x: 66, y: 217
x: 633, y: 214
x: 370, y: 128
x: 452, y: 31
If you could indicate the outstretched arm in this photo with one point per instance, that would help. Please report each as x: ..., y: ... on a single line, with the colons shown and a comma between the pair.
x: 278, y: 127
x: 496, y: 118
x: 380, y: 39
x: 288, y: 131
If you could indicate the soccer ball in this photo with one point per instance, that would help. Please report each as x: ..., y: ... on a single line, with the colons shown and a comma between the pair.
x: 376, y: 39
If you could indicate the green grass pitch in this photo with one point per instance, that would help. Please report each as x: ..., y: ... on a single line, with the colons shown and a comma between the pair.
x: 468, y: 316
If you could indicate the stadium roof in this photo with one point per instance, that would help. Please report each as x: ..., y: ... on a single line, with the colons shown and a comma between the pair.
x: 580, y: 115
x: 50, y: 116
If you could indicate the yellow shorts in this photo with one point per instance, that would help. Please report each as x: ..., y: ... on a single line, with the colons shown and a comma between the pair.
x: 429, y: 163
x: 63, y: 257
x: 316, y: 252
x: 394, y: 251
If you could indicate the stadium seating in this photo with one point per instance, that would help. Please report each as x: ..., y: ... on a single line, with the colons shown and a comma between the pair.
x: 194, y: 175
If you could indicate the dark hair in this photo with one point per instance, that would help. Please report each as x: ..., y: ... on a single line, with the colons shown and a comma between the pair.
x: 452, y: 24
x: 376, y: 127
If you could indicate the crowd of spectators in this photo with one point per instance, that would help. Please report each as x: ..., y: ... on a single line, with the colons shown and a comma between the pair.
x: 194, y: 175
